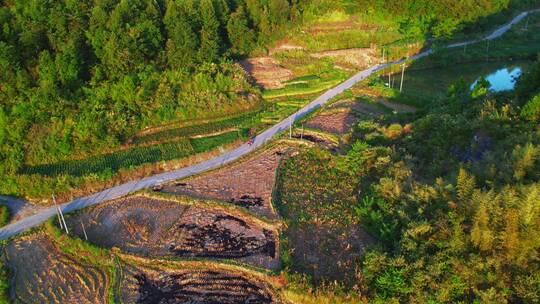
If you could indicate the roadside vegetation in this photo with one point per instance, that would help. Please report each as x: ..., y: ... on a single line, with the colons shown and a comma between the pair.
x: 4, y: 215
x: 85, y: 95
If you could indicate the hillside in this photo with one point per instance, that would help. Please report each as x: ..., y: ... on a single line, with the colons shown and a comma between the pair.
x: 419, y: 183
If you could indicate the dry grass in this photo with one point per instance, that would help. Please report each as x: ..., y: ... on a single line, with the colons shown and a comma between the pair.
x: 43, y: 274
x: 356, y: 58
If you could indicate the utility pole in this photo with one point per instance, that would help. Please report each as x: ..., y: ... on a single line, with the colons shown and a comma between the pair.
x: 84, y: 231
x: 58, y: 213
x: 290, y: 127
x: 402, y: 75
x: 61, y: 215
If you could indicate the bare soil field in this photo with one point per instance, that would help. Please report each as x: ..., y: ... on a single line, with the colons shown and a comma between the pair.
x: 328, y: 253
x: 351, y: 58
x: 266, y: 72
x: 164, y: 228
x: 191, y: 285
x: 42, y: 274
x: 284, y: 46
x: 334, y: 122
x: 247, y: 183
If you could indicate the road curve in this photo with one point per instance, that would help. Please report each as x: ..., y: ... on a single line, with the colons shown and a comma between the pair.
x: 227, y: 157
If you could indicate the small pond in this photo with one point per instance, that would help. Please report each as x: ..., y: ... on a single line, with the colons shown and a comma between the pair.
x: 430, y: 83
x: 502, y: 80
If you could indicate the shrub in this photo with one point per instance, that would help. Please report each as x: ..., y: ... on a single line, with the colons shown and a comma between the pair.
x: 531, y: 111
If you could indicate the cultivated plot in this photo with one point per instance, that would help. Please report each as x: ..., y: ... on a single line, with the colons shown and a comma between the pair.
x: 43, y: 274
x: 247, y: 183
x: 191, y: 285
x: 156, y: 227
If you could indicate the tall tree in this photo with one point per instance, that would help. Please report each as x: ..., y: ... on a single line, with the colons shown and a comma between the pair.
x: 181, y: 38
x: 242, y: 38
x: 209, y: 50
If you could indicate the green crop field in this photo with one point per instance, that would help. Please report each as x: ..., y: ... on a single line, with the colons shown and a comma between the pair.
x: 244, y: 120
x: 133, y: 157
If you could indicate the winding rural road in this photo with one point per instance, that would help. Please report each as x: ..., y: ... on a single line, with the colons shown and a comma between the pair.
x: 227, y: 157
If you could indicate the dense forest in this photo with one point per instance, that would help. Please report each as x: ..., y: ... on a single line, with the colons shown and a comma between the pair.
x: 79, y: 77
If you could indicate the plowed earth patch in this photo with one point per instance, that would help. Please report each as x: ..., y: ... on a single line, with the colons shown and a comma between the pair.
x: 162, y: 228
x: 336, y: 123
x: 266, y: 72
x: 43, y: 274
x: 209, y: 286
x: 341, y: 117
x: 248, y: 183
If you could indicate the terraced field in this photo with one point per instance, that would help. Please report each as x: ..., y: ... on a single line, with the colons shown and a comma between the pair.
x: 194, y: 285
x: 43, y: 274
x: 151, y: 226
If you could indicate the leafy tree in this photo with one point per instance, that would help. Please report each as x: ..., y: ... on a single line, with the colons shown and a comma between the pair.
x: 531, y: 111
x: 242, y: 38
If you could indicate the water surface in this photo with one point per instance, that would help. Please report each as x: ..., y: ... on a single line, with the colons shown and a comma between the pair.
x: 502, y: 80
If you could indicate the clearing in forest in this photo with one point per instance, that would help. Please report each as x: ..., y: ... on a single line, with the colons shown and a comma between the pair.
x: 267, y: 72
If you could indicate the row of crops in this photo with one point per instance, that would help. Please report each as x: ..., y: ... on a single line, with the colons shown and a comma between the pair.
x: 241, y: 121
x: 134, y: 157
x: 309, y: 84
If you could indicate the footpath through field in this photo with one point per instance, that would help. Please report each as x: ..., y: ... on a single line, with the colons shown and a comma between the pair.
x: 227, y: 157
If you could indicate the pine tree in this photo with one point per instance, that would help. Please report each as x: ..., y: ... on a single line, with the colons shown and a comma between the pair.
x: 209, y: 49
x: 181, y: 39
x: 481, y: 234
x: 510, y: 239
x: 465, y: 187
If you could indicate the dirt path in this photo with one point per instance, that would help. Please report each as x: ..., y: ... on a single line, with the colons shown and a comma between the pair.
x: 398, y: 107
x: 19, y: 208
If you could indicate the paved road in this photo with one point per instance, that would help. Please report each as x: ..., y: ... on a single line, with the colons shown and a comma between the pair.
x: 261, y: 139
